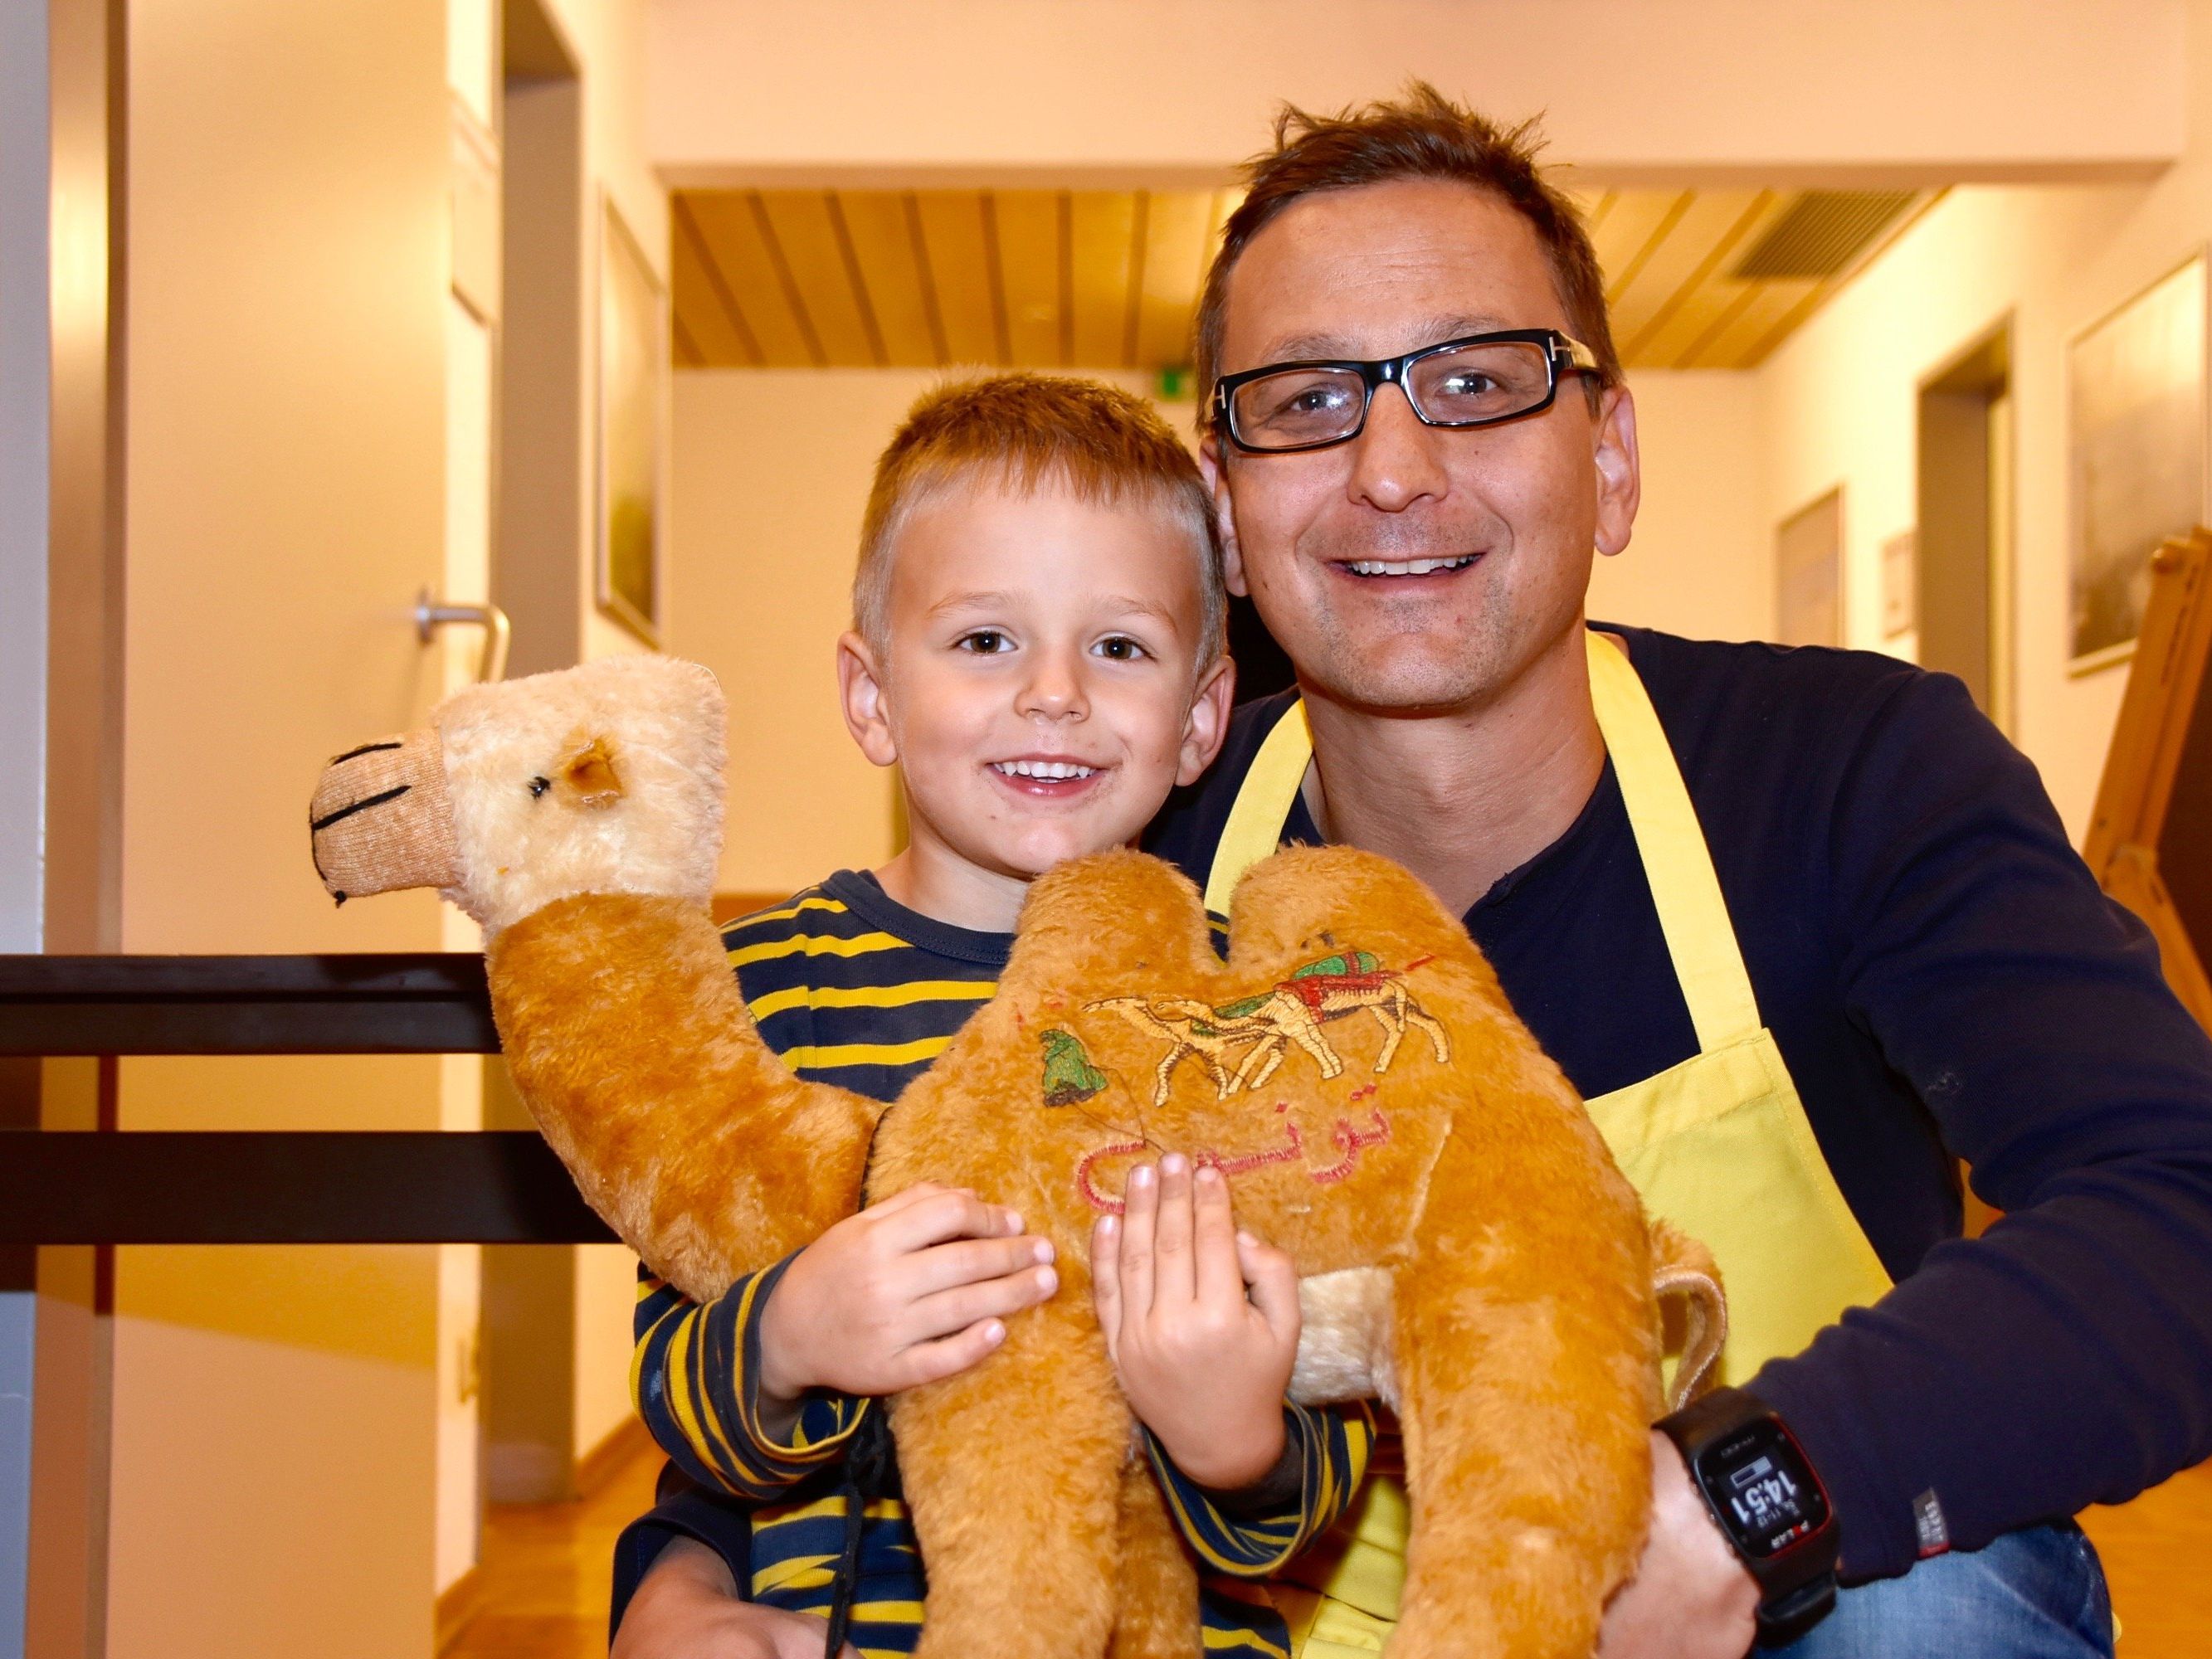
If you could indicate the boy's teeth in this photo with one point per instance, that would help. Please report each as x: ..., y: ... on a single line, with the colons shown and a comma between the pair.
x: 1407, y: 567
x: 1054, y: 769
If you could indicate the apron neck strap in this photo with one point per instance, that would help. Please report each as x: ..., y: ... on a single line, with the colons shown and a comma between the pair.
x: 1262, y: 806
x: 1677, y: 865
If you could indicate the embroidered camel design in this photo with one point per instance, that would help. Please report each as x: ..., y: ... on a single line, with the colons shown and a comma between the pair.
x: 1293, y: 1013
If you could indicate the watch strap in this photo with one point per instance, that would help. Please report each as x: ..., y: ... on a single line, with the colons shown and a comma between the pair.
x: 1788, y: 1617
x: 1796, y: 1589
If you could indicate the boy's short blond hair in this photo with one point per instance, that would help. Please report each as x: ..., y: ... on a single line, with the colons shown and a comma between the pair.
x: 1025, y: 431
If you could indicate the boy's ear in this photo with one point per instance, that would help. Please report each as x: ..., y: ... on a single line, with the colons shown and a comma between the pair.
x: 860, y: 691
x: 1207, y: 723
x: 1213, y: 469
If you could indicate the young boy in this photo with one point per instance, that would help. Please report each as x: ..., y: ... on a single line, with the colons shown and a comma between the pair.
x: 1037, y: 646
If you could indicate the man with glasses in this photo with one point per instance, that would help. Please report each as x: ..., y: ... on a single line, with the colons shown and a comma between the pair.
x: 1799, y: 925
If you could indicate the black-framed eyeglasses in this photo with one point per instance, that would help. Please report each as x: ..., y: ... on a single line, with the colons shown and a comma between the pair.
x: 1477, y: 380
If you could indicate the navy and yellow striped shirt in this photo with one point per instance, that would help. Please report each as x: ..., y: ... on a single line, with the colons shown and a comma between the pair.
x: 852, y: 988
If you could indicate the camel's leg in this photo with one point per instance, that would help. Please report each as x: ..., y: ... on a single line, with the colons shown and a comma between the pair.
x: 1393, y: 1031
x: 1155, y: 1598
x: 1271, y: 1049
x: 1165, y: 1079
x: 1307, y: 1035
x: 1526, y: 1396
x: 1013, y: 1474
x: 1438, y: 1041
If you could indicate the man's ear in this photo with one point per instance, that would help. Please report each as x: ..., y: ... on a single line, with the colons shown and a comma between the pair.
x: 1207, y: 723
x: 1214, y: 471
x: 1620, y: 478
x: 860, y: 689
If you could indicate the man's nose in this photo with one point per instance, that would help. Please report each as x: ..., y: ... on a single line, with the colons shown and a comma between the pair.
x: 1395, y: 460
x: 1054, y: 685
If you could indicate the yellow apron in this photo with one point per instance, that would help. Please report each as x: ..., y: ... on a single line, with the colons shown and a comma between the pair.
x: 1718, y: 1145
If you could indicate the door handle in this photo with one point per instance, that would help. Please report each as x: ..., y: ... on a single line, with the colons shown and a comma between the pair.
x: 430, y: 616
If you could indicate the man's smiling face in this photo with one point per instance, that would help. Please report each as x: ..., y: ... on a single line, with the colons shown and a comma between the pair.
x: 1415, y: 569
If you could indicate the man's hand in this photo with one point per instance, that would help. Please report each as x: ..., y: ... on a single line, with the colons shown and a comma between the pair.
x: 907, y: 1292
x: 1692, y: 1596
x: 687, y: 1607
x: 1204, y: 1366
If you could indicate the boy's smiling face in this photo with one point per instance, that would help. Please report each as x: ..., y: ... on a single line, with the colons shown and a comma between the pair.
x: 1037, y: 684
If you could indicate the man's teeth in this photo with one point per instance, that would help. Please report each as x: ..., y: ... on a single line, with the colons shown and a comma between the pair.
x: 1407, y: 567
x: 1053, y: 769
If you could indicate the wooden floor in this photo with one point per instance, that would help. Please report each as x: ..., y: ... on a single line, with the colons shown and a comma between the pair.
x: 545, y: 1568
x: 2158, y: 1555
x: 544, y: 1581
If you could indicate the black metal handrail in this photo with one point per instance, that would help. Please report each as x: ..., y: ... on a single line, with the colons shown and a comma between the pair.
x: 269, y: 1187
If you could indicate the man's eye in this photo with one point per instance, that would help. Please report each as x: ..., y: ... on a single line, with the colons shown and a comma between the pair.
x: 1120, y: 647
x: 983, y: 642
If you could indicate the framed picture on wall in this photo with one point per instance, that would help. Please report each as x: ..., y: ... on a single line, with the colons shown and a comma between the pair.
x: 2135, y: 457
x: 633, y: 346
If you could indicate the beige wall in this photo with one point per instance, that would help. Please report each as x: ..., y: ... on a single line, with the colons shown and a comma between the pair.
x: 1160, y: 90
x: 771, y: 472
x: 277, y: 1465
x: 1697, y: 565
x: 273, y: 1409
x: 1838, y: 398
x: 608, y: 37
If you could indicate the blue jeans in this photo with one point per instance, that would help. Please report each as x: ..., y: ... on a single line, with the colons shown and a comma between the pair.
x: 2036, y: 1593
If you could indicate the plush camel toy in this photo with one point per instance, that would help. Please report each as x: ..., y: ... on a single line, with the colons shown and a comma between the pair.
x: 1467, y: 1248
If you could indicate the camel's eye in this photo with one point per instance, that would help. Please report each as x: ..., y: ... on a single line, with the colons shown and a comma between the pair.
x: 539, y: 786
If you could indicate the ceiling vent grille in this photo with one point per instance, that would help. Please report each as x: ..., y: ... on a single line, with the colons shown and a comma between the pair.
x: 1823, y: 231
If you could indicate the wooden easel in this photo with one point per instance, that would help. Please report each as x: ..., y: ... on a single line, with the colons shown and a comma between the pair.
x: 2161, y: 749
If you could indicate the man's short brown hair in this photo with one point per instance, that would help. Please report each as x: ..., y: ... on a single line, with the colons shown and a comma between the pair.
x: 1027, y: 432
x: 1422, y: 135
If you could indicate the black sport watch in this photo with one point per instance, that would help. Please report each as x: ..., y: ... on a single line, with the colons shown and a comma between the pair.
x: 1770, y: 1505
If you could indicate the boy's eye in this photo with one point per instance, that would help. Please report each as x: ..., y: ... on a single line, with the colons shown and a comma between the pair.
x: 983, y: 642
x: 1120, y: 647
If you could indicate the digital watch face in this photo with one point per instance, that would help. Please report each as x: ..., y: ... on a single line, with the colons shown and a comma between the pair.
x: 1757, y: 1479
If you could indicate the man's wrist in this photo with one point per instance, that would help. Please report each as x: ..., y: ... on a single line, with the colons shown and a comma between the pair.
x: 687, y: 1564
x: 1766, y: 1503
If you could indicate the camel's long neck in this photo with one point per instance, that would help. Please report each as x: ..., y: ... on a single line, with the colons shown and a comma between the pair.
x: 628, y: 1037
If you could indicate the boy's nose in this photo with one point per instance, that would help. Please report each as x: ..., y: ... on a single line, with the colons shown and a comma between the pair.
x: 1055, y: 688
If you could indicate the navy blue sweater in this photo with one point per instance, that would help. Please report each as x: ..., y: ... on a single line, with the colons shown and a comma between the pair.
x: 1945, y: 982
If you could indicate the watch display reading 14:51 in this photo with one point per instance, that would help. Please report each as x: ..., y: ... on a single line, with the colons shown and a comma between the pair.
x: 1769, y: 1504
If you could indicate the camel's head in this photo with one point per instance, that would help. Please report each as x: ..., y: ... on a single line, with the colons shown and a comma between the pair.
x: 606, y: 778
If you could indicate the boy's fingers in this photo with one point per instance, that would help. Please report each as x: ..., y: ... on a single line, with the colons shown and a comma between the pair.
x: 1272, y: 1278
x: 949, y: 1356
x: 1140, y: 1209
x: 933, y: 1317
x: 946, y: 1215
x: 1174, y: 1276
x: 1217, y: 1273
x: 1106, y: 1280
x: 969, y: 1262
x: 906, y: 1198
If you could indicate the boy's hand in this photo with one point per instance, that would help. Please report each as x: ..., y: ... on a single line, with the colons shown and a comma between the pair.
x: 907, y: 1292
x: 1204, y: 1366
x: 687, y: 1607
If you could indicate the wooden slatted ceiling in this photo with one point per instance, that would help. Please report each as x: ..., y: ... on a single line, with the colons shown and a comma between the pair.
x: 1043, y: 279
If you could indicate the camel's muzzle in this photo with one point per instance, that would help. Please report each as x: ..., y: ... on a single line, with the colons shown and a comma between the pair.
x: 381, y: 819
